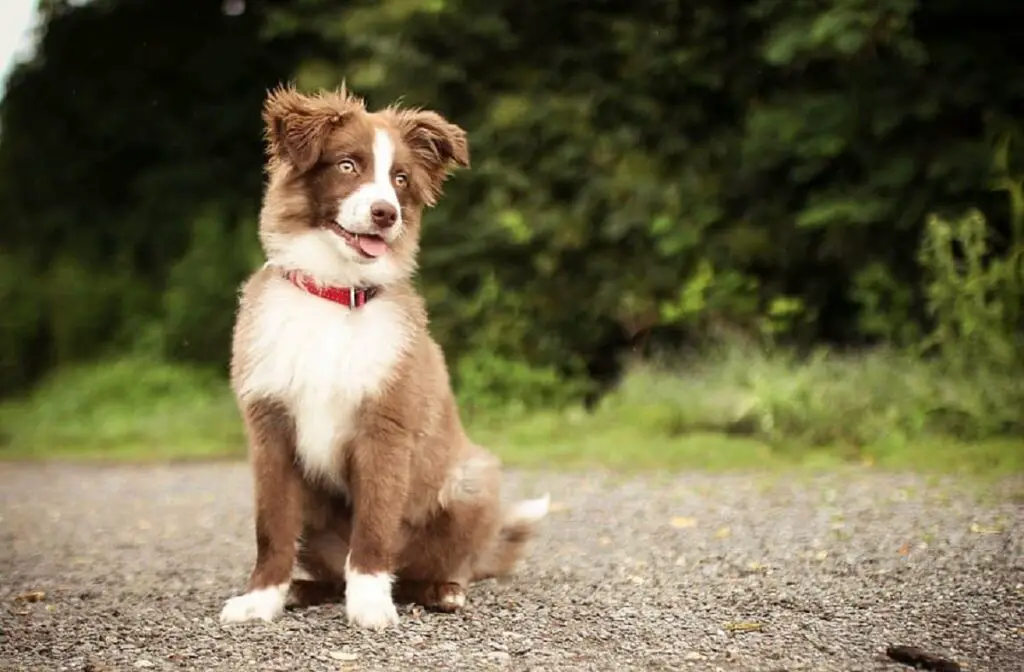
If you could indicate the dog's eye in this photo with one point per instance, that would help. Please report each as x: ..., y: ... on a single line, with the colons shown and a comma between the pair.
x: 401, y: 179
x: 347, y: 166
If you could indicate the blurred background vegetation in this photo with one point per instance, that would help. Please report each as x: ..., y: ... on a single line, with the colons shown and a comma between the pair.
x: 694, y: 234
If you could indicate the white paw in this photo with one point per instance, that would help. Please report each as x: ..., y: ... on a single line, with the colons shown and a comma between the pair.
x: 368, y: 602
x: 375, y: 614
x: 265, y: 604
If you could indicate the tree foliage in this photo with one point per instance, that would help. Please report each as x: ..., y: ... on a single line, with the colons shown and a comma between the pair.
x: 669, y: 167
x: 655, y: 173
x: 132, y: 121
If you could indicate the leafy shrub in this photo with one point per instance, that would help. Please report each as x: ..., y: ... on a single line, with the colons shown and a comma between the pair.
x: 827, y: 399
x: 488, y: 383
x: 201, y: 297
x: 23, y: 322
x: 130, y: 405
x: 974, y: 291
x: 674, y: 166
x: 971, y: 296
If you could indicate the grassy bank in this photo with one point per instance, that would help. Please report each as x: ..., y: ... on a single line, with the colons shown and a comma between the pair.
x: 739, y: 411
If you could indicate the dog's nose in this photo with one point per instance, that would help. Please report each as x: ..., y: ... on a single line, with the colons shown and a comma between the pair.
x: 383, y: 214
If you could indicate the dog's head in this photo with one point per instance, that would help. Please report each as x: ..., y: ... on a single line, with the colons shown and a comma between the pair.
x: 347, y: 186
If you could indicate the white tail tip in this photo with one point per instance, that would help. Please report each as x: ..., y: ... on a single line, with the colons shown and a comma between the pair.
x: 530, y: 510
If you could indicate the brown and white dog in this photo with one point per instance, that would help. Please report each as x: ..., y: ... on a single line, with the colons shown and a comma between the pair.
x: 364, y: 477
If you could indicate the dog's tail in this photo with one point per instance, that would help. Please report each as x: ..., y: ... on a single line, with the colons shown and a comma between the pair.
x: 518, y: 526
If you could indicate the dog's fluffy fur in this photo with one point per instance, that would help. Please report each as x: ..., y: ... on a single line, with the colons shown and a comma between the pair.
x: 364, y: 476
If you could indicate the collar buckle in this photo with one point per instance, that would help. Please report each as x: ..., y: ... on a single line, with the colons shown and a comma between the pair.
x: 350, y: 297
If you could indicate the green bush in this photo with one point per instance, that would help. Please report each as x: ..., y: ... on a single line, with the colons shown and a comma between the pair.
x: 972, y: 296
x: 667, y: 170
x: 643, y: 175
x: 98, y: 191
x: 874, y: 398
x: 130, y: 406
x: 488, y: 384
x: 201, y: 297
x: 974, y: 290
x: 23, y: 323
x: 63, y: 314
x: 743, y: 409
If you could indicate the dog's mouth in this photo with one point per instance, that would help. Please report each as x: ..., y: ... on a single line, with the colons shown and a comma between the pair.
x: 367, y: 245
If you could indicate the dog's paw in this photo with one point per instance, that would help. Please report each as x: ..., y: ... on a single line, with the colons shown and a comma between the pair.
x: 450, y: 598
x: 374, y: 613
x: 265, y: 604
x: 368, y: 602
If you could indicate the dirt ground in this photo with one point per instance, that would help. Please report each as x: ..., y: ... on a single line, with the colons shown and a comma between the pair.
x: 126, y: 568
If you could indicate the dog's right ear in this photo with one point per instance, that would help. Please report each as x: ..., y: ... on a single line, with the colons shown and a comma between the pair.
x: 297, y: 125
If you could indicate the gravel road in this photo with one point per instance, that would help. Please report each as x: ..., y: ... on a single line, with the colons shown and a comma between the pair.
x: 690, y: 572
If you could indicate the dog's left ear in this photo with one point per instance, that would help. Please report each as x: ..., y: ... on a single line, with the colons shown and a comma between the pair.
x: 439, y: 146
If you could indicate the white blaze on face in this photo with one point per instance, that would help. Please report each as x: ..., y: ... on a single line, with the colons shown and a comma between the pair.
x: 354, y: 211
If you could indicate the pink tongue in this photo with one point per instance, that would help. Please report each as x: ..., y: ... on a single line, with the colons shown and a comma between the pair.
x: 372, y: 245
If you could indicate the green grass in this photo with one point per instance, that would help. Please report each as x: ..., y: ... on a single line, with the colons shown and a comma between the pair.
x: 741, y: 410
x: 134, y: 409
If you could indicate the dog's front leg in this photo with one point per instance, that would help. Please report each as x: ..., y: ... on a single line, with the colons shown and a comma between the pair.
x: 380, y: 486
x: 278, y: 490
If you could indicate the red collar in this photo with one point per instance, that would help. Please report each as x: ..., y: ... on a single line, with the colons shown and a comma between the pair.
x: 347, y: 296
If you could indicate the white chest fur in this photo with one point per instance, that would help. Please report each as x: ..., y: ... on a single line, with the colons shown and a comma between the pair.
x: 322, y: 360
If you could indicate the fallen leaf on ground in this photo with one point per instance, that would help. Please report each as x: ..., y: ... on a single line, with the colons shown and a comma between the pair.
x: 604, y: 541
x: 915, y: 657
x: 743, y: 626
x: 554, y: 507
x: 34, y: 596
x: 723, y: 532
x: 346, y: 656
x: 681, y: 522
x: 904, y: 549
x: 985, y: 529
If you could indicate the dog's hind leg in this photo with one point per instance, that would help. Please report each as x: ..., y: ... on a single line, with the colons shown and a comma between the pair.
x: 310, y: 592
x: 465, y: 544
x: 467, y: 538
x: 446, y: 596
